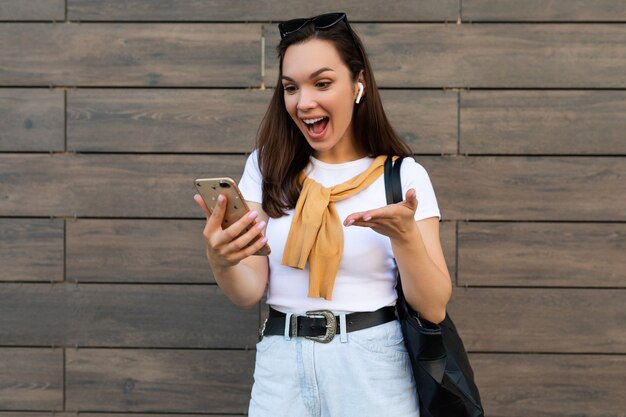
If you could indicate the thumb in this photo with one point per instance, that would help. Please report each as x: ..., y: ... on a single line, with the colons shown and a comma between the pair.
x: 411, y: 199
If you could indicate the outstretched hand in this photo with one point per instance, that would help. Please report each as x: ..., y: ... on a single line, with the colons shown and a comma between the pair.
x: 393, y: 220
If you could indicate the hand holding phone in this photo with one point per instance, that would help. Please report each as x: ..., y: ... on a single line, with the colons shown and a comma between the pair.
x: 211, y: 188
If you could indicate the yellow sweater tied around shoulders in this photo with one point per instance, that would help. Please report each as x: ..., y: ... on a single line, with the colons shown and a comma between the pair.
x: 316, y: 232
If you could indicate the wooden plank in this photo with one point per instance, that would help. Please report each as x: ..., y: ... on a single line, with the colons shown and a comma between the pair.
x: 137, y: 251
x: 426, y: 120
x: 489, y: 56
x: 159, y: 380
x: 529, y: 188
x: 108, y: 185
x: 164, y: 120
x: 540, y: 319
x: 249, y: 10
x: 542, y: 254
x: 32, y: 10
x: 543, y: 122
x: 32, y: 120
x: 544, y: 11
x: 224, y: 55
x: 227, y: 120
x: 551, y: 385
x: 31, y: 379
x: 95, y: 315
x: 31, y: 250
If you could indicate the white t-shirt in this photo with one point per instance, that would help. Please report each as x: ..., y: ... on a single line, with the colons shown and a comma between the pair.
x: 367, y: 272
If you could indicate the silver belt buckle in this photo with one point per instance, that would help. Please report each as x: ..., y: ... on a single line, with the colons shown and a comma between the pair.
x: 331, y: 325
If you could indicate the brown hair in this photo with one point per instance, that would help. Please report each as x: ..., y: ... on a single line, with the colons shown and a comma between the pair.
x: 283, y: 152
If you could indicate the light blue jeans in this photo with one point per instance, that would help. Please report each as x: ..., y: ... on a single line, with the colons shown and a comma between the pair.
x: 368, y: 373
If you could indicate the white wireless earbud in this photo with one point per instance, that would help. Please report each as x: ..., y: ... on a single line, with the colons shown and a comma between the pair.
x: 358, y: 97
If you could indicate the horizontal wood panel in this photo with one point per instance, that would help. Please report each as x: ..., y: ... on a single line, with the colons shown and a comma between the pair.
x: 164, y: 120
x: 31, y: 379
x: 227, y: 120
x: 490, y: 55
x: 31, y: 249
x: 267, y: 10
x: 32, y: 120
x: 529, y: 188
x: 542, y: 254
x: 226, y: 55
x: 541, y: 10
x: 543, y: 122
x: 159, y: 380
x: 540, y: 320
x: 108, y: 185
x: 32, y: 10
x: 551, y: 385
x: 426, y: 120
x: 97, y: 315
x: 137, y: 251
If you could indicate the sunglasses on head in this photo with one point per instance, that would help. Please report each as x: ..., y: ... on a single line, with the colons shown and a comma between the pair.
x: 323, y: 21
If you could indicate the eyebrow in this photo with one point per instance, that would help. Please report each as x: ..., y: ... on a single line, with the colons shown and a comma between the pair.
x: 313, y: 74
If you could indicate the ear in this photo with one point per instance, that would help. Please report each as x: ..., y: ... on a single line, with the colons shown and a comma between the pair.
x: 360, y: 93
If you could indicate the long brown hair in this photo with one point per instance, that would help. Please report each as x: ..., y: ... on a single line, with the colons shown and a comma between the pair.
x: 283, y: 152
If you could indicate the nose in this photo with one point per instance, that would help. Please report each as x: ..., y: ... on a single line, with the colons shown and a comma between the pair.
x: 306, y: 100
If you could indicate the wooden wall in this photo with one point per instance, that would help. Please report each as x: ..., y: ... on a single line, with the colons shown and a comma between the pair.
x: 110, y: 108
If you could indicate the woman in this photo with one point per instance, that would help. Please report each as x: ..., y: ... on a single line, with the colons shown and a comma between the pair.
x: 315, y: 184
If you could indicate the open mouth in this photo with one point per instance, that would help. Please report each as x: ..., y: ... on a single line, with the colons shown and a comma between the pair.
x: 316, y: 126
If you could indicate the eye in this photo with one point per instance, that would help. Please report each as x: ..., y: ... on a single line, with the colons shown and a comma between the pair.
x: 289, y: 89
x: 323, y: 84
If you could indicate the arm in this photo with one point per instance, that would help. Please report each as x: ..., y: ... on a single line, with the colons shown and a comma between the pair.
x: 242, y: 277
x: 417, y: 249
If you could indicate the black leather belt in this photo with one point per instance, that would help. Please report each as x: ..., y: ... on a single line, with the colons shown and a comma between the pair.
x: 323, y: 325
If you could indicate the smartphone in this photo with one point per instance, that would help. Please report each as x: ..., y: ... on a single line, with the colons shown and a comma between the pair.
x: 211, y: 188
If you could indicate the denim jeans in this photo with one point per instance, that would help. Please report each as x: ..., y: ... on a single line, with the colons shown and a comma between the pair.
x: 368, y: 373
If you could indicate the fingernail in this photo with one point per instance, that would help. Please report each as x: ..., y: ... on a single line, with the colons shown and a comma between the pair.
x: 260, y: 226
x: 350, y: 223
x: 220, y: 199
x: 253, y: 214
x: 264, y: 240
x: 367, y: 218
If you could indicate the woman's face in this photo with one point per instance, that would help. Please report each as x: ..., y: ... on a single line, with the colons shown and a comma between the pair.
x: 318, y: 88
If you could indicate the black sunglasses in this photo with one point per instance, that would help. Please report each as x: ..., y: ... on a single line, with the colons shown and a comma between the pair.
x: 323, y: 21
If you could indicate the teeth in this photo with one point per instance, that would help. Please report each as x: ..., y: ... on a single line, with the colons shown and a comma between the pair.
x: 311, y: 121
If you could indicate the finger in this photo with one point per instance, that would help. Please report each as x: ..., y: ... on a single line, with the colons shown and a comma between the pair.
x: 215, y: 219
x: 255, y: 247
x: 233, y: 231
x: 198, y: 199
x: 244, y: 240
x: 411, y: 199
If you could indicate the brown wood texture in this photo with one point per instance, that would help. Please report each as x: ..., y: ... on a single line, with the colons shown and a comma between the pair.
x: 487, y: 55
x: 543, y: 122
x: 32, y: 120
x: 70, y: 54
x: 426, y: 120
x: 159, y: 380
x: 31, y: 379
x: 31, y: 250
x: 551, y: 385
x: 95, y: 315
x: 264, y: 10
x: 527, y: 320
x: 168, y: 251
x: 541, y: 10
x: 164, y: 120
x: 32, y: 9
x: 542, y: 254
x: 108, y: 185
x: 529, y: 188
x: 227, y: 120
